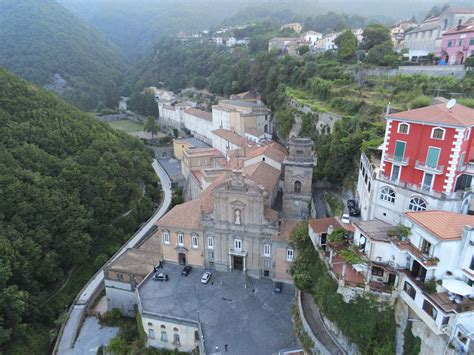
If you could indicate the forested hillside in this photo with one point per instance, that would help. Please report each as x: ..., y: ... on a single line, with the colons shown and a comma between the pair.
x: 64, y: 177
x: 40, y: 38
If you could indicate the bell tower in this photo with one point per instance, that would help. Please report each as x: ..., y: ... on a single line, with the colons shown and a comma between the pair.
x: 298, y: 175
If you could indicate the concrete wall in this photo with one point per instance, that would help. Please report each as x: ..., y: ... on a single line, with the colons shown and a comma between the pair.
x: 455, y: 71
x: 119, y: 297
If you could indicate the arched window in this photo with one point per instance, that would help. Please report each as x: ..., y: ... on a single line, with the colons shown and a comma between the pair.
x: 150, y: 324
x: 194, y: 241
x: 163, y: 326
x: 180, y: 239
x: 175, y: 329
x: 403, y: 128
x: 387, y: 194
x: 210, y: 242
x: 297, y: 187
x: 417, y: 204
x: 437, y: 133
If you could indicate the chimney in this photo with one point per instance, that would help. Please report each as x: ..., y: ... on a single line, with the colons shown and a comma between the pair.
x: 388, y: 110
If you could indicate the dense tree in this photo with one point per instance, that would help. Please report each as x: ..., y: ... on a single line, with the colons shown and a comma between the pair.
x: 382, y: 54
x: 64, y: 176
x: 151, y: 126
x: 436, y: 10
x: 374, y: 35
x: 346, y: 45
x: 44, y: 43
x: 144, y: 103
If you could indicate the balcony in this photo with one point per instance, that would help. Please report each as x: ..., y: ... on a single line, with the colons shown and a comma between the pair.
x: 237, y: 252
x: 403, y: 161
x: 457, y: 195
x: 468, y: 168
x: 423, y: 259
x: 422, y: 165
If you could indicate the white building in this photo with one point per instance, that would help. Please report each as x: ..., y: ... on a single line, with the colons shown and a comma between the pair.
x: 327, y: 42
x: 172, y: 115
x: 199, y: 123
x: 231, y: 41
x: 311, y: 37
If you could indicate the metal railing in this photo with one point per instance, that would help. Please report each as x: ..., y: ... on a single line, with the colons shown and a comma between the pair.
x: 391, y: 158
x: 423, y: 165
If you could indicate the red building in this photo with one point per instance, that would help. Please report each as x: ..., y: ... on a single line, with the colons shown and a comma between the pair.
x: 430, y: 148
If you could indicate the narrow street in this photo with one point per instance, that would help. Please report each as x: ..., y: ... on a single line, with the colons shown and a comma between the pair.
x: 72, y: 327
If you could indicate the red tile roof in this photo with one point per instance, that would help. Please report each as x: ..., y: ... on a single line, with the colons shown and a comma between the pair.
x: 273, y: 150
x: 443, y: 225
x: 467, y: 27
x: 264, y: 175
x: 199, y: 113
x: 230, y: 136
x: 321, y: 225
x: 439, y: 114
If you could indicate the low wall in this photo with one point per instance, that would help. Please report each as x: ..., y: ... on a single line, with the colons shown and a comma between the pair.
x: 455, y: 71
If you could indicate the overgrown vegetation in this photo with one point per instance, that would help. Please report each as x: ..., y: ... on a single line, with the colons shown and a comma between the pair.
x: 67, y: 183
x: 364, y: 321
x: 304, y: 338
x: 411, y: 344
x: 39, y: 39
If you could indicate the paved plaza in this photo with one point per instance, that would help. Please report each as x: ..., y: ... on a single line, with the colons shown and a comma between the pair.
x: 233, y: 309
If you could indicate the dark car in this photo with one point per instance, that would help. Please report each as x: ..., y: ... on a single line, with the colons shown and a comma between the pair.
x: 351, y: 203
x: 187, y: 269
x: 160, y: 277
x: 278, y: 287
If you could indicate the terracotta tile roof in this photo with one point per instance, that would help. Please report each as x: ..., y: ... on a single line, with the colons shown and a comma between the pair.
x: 186, y: 215
x: 202, y: 152
x: 199, y: 113
x: 264, y: 175
x: 459, y: 115
x: 321, y: 225
x: 443, y: 225
x: 270, y: 214
x: 273, y: 150
x: 254, y: 132
x: 230, y: 136
x: 467, y: 27
x: 286, y: 227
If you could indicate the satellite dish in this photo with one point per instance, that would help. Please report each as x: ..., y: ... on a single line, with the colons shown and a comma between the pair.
x: 451, y: 104
x: 362, y: 240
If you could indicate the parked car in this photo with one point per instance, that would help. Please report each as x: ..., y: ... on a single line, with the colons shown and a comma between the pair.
x: 278, y: 287
x: 206, y: 277
x: 187, y: 269
x: 160, y: 277
x: 353, y: 208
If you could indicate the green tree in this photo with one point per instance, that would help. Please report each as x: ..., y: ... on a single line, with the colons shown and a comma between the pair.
x: 151, y: 126
x: 382, y: 54
x: 303, y: 49
x: 346, y: 45
x: 374, y: 34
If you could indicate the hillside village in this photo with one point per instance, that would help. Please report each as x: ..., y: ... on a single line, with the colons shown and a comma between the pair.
x: 409, y: 244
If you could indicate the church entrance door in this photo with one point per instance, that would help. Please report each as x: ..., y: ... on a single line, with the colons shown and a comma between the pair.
x: 238, y: 263
x: 182, y: 259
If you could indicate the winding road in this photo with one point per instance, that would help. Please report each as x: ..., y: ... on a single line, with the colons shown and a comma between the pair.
x: 67, y: 338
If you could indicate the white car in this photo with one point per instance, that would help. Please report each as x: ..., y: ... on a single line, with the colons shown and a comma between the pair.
x: 206, y: 277
x: 345, y: 218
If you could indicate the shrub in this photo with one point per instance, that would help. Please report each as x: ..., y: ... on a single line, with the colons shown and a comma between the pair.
x: 337, y: 236
x: 430, y: 286
x: 112, y: 318
x: 420, y: 101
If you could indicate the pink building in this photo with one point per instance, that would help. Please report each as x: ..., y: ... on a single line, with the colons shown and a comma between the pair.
x: 457, y: 44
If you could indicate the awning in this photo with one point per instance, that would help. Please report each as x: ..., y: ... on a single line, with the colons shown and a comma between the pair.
x: 360, y: 267
x: 458, y: 287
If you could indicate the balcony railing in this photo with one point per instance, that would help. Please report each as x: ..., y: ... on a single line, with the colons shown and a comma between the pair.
x: 391, y: 158
x: 237, y: 252
x: 435, y: 169
x: 468, y: 168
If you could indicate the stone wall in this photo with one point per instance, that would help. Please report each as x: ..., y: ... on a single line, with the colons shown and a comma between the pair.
x: 455, y: 71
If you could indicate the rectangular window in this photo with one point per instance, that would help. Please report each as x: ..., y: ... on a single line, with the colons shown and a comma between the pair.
x: 238, y: 245
x: 399, y: 150
x: 427, y: 181
x: 289, y: 255
x: 151, y: 334
x: 195, y: 241
x: 425, y: 247
x: 377, y: 271
x: 471, y: 266
x: 395, y: 173
x: 266, y: 264
x: 210, y: 242
x: 164, y: 337
x: 409, y: 289
x: 266, y: 250
x: 461, y: 161
x: 119, y: 276
x: 176, y: 339
x: 166, y: 237
x: 403, y: 128
x: 460, y: 43
x: 432, y: 157
x: 210, y: 255
x: 471, y: 42
x: 180, y: 239
x: 450, y: 44
x: 368, y: 187
x: 430, y: 309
